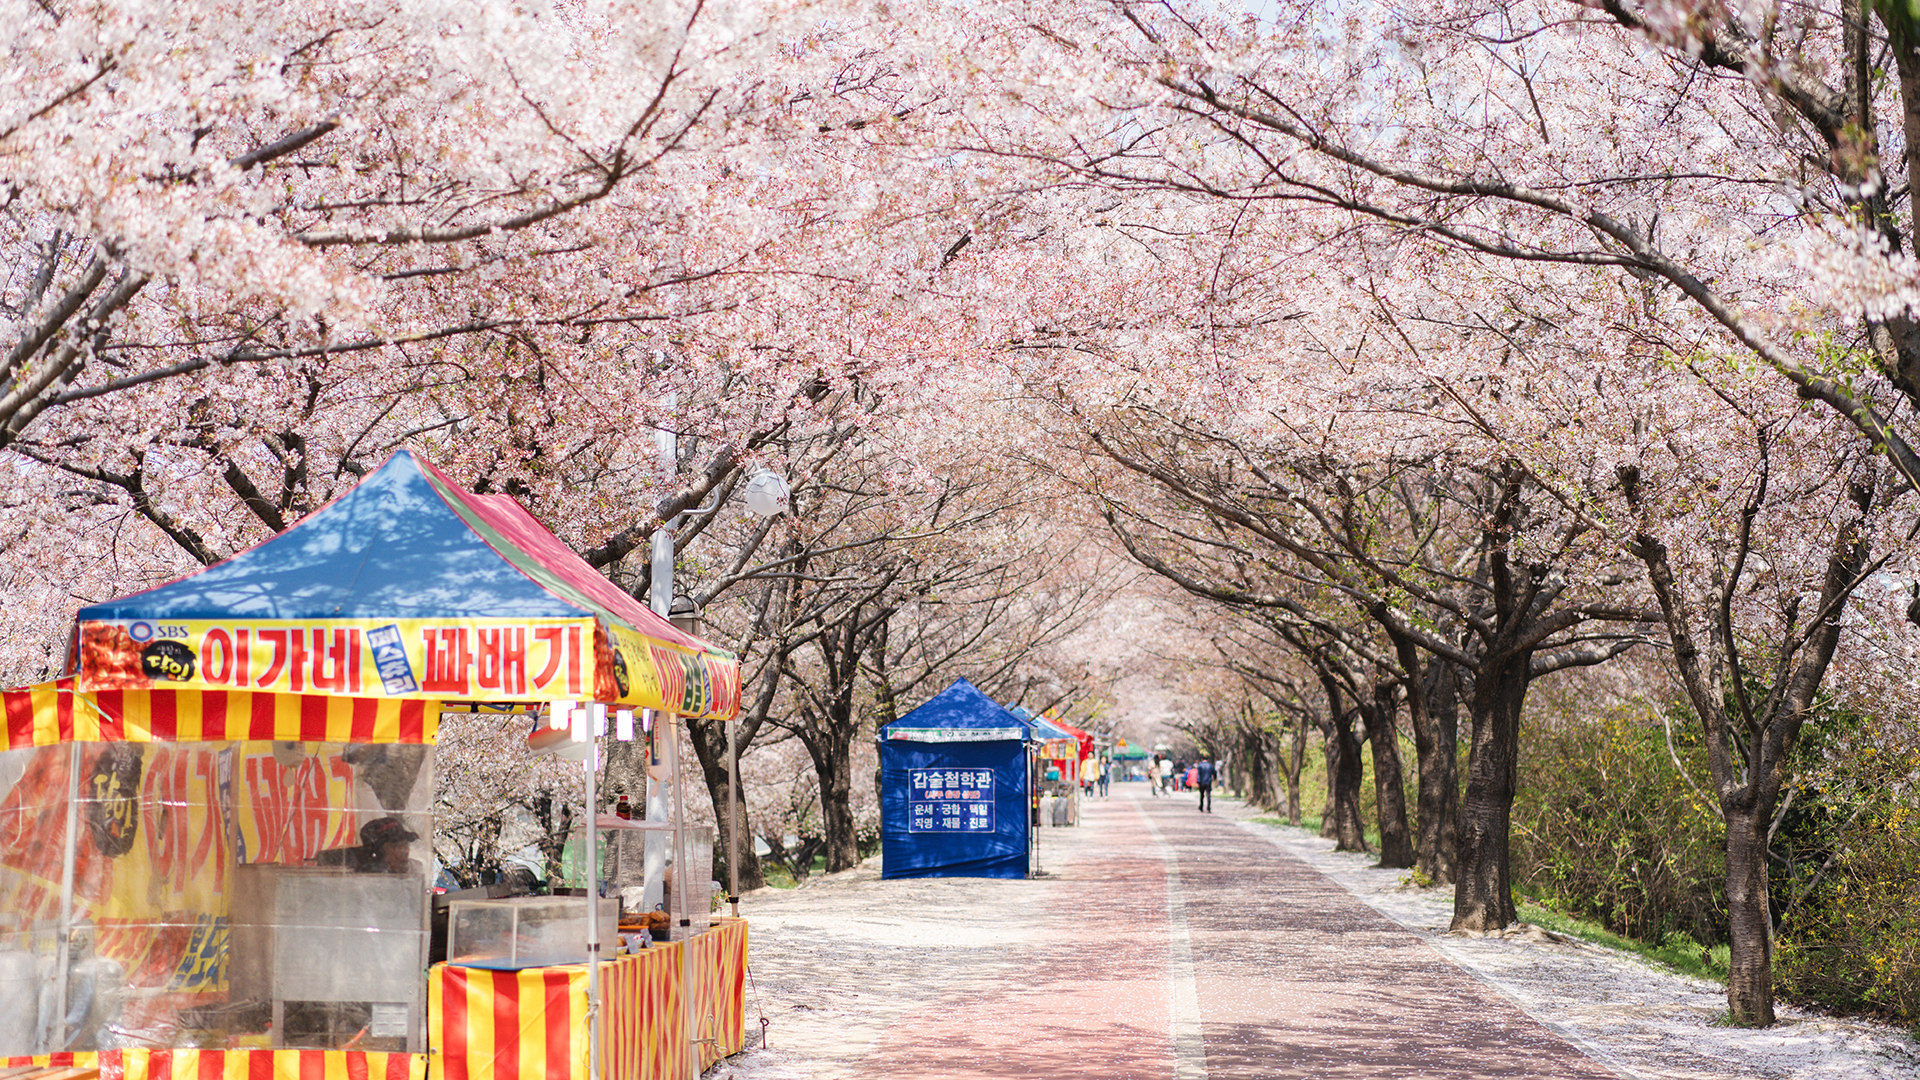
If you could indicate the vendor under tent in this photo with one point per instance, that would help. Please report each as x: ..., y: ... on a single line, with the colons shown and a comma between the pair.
x: 953, y: 789
x: 246, y: 753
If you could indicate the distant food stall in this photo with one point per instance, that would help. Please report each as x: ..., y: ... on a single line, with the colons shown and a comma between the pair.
x: 1056, y: 771
x: 1086, y: 761
x: 1129, y: 761
x: 953, y: 789
x: 213, y: 836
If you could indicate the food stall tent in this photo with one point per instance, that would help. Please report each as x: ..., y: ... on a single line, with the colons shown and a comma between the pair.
x: 1056, y: 770
x: 953, y: 789
x: 407, y: 587
x: 1086, y: 763
x: 1128, y: 760
x: 278, y: 708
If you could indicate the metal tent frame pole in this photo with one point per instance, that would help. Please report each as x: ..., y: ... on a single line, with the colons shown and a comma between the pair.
x: 683, y: 903
x: 733, y: 816
x: 588, y: 717
x: 63, y: 955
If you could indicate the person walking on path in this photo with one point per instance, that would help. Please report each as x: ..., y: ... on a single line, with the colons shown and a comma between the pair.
x: 1106, y: 775
x: 1203, y: 779
x: 1154, y: 770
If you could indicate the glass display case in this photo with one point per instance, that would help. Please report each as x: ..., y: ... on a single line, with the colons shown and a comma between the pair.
x: 517, y: 932
x: 695, y: 915
x: 222, y: 895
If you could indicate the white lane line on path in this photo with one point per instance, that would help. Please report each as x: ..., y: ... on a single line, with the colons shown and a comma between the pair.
x: 1189, y: 1051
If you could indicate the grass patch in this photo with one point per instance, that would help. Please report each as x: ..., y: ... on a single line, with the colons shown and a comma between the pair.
x: 1311, y: 823
x: 777, y: 876
x: 1678, y: 952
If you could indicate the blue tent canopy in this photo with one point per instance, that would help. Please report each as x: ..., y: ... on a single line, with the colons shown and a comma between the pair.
x: 953, y: 784
x: 389, y: 548
x: 406, y: 586
x: 1042, y: 727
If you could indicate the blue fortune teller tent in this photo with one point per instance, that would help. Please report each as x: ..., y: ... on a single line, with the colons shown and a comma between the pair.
x: 953, y: 789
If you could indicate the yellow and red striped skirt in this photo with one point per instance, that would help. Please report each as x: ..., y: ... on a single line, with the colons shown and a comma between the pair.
x: 532, y: 1024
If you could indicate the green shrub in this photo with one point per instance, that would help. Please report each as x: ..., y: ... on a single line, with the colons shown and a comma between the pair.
x: 1606, y: 829
x: 1313, y: 788
x: 1849, y: 934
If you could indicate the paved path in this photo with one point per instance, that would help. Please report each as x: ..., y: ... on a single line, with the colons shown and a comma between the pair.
x: 1162, y: 943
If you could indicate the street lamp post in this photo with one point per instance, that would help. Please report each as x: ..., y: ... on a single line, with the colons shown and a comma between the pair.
x: 573, y: 731
x: 766, y: 496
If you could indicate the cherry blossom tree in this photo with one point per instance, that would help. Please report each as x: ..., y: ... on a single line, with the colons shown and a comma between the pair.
x: 1755, y: 604
x: 1511, y: 599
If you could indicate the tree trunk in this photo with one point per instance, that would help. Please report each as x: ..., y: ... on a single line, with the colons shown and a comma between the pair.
x: 1749, y: 920
x: 832, y: 755
x: 1330, y: 815
x: 1296, y: 764
x: 710, y: 746
x: 1436, y: 743
x: 1270, y: 798
x: 1389, y: 790
x: 1342, y: 822
x: 555, y: 819
x: 1350, y: 830
x: 1248, y: 737
x: 799, y: 859
x: 625, y: 771
x: 1483, y: 897
x: 1261, y: 791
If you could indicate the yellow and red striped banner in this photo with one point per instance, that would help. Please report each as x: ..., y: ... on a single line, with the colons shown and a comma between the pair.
x: 51, y: 713
x: 532, y: 1024
x: 146, y: 1064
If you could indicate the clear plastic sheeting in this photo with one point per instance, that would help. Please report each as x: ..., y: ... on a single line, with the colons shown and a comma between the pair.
x: 119, y: 871
x: 618, y: 844
x: 690, y: 899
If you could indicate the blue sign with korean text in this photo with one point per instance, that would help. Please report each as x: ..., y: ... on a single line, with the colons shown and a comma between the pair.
x: 953, y: 789
x: 949, y: 800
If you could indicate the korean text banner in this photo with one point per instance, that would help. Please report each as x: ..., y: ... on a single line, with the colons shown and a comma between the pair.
x: 543, y: 659
x: 973, y: 824
x: 408, y: 659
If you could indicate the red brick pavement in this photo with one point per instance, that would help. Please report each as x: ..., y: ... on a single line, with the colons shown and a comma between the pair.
x: 1287, y: 974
